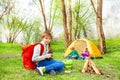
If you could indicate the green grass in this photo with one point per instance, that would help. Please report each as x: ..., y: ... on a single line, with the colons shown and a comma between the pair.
x: 11, y: 68
x: 9, y: 48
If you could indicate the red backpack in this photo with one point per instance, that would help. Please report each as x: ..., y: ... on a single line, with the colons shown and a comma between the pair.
x: 27, y: 55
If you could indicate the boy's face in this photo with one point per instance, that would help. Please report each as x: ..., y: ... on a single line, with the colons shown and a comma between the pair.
x: 47, y: 39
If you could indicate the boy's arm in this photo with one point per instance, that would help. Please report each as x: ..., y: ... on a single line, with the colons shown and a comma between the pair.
x: 36, y: 54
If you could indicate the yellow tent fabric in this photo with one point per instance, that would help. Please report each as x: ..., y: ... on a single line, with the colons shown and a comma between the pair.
x: 81, y: 44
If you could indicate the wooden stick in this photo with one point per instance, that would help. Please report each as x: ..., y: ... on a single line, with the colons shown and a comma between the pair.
x: 85, y: 65
x: 95, y: 68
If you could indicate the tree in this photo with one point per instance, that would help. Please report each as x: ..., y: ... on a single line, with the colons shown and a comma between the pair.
x: 13, y: 26
x: 48, y: 19
x: 101, y: 37
x: 6, y: 6
x: 43, y: 14
x: 82, y: 18
x: 69, y: 19
x: 32, y: 33
x: 67, y: 27
x: 76, y: 16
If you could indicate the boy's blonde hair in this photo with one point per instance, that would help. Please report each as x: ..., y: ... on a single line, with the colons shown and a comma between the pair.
x: 46, y: 33
x: 72, y: 48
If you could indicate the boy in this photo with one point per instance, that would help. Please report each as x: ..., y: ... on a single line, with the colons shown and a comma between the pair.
x: 73, y: 54
x: 45, y: 62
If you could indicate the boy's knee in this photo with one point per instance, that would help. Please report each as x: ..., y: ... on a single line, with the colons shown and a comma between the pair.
x: 62, y: 63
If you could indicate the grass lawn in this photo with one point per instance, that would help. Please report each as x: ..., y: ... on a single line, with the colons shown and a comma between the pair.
x: 8, y: 48
x: 11, y: 68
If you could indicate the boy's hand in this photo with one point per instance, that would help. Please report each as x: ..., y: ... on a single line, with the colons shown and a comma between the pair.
x: 48, y: 56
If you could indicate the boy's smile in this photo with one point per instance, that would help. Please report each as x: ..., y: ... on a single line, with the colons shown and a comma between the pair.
x: 47, y: 39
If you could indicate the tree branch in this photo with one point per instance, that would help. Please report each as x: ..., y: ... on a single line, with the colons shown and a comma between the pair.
x: 94, y: 7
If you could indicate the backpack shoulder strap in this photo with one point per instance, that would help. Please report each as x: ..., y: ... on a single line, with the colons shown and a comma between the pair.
x: 42, y: 48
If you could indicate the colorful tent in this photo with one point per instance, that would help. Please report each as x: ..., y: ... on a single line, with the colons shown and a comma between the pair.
x: 81, y: 44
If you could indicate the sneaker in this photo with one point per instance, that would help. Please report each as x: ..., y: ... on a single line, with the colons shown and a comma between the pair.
x: 40, y: 70
x: 52, y: 72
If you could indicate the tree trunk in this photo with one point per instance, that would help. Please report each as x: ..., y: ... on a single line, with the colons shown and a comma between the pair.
x: 43, y: 13
x: 69, y: 26
x: 77, y: 25
x: 84, y: 32
x: 65, y: 24
x: 48, y: 22
x: 101, y: 37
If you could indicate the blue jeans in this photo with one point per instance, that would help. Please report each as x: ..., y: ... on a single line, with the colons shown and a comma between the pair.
x: 51, y: 64
x: 76, y: 57
x: 72, y: 57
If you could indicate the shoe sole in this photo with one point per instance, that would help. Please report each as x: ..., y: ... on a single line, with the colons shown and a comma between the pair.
x: 39, y: 72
